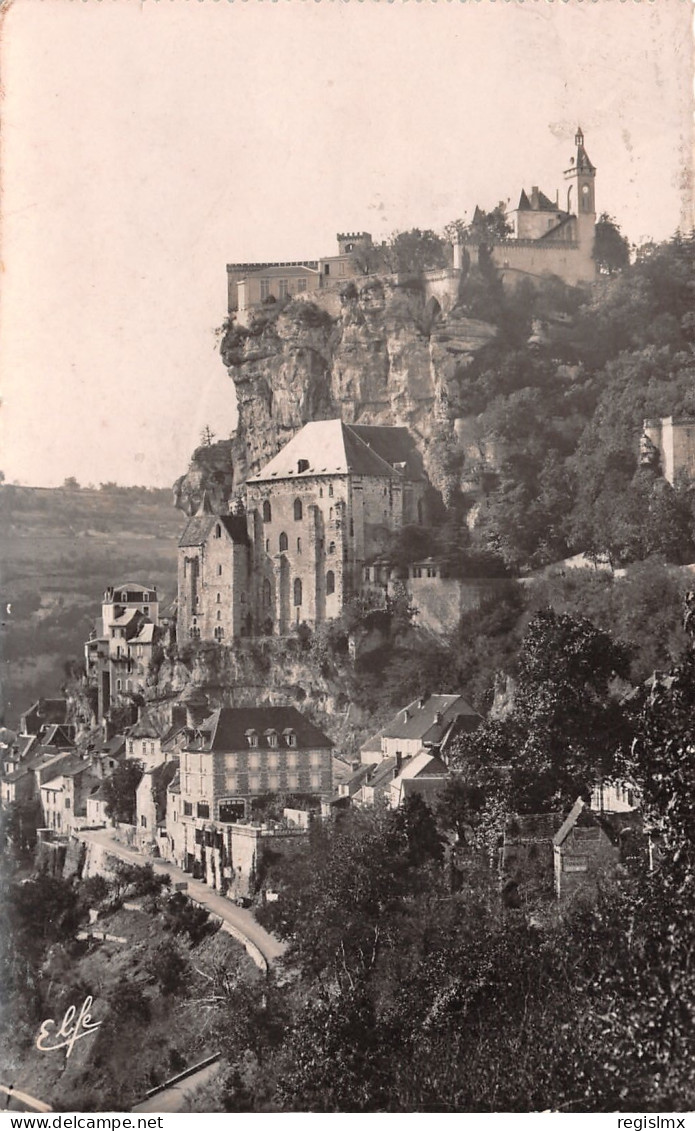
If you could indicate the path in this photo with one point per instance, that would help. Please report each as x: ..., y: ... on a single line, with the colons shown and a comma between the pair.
x: 238, y: 921
x: 173, y: 1097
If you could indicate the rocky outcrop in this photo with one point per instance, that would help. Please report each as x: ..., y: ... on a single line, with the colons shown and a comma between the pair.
x: 382, y: 352
x: 211, y: 469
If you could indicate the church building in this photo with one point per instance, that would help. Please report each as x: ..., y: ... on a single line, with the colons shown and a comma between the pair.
x: 315, y: 514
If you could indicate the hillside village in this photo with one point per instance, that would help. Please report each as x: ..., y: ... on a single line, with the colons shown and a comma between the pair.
x: 400, y: 728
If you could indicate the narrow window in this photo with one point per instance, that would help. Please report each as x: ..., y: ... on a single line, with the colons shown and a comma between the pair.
x: 297, y: 591
x: 297, y: 510
x: 266, y: 594
x: 218, y: 530
x: 219, y: 571
x: 331, y: 547
x: 219, y: 599
x: 299, y: 545
x: 283, y: 542
x: 330, y: 489
x: 330, y: 582
x: 267, y: 513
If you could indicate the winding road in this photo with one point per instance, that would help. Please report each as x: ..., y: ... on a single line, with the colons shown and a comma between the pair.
x: 237, y: 921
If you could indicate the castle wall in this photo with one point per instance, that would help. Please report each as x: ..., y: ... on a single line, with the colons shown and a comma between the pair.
x: 571, y: 262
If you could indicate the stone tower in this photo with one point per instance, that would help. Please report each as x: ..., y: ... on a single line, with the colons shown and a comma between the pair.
x: 580, y: 178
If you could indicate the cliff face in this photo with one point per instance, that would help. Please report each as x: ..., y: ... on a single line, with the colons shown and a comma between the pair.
x: 381, y: 353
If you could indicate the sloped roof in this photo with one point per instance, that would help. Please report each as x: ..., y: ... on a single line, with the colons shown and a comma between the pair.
x: 393, y: 444
x: 383, y: 773
x: 330, y: 447
x: 548, y: 236
x: 133, y: 588
x: 198, y: 528
x: 227, y: 728
x: 420, y: 722
x: 578, y: 810
x: 45, y: 711
x: 145, y: 727
x: 422, y: 765
x: 59, y: 734
x: 145, y: 633
x: 126, y: 618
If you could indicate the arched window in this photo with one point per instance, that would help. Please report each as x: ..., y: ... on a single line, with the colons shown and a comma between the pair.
x: 266, y: 593
x: 297, y: 509
x: 283, y: 541
x: 218, y: 531
x: 331, y: 547
x: 219, y: 571
x: 297, y: 591
x: 330, y: 489
x: 267, y: 513
x: 267, y: 545
x: 299, y: 545
x: 219, y: 599
x: 330, y: 582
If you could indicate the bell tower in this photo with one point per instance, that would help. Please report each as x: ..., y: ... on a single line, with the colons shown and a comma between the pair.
x: 581, y: 201
x: 580, y: 176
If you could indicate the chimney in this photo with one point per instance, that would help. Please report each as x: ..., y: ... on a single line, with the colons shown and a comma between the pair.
x: 406, y: 715
x: 421, y: 702
x: 438, y: 717
x: 399, y: 762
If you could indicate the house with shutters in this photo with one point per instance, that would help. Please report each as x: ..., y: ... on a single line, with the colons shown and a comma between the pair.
x: 236, y: 755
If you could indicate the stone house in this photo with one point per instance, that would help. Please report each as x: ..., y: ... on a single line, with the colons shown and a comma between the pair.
x: 234, y: 756
x: 119, y: 652
x: 584, y: 846
x: 65, y: 790
x: 151, y: 805
x: 549, y: 238
x: 426, y: 724
x: 424, y: 775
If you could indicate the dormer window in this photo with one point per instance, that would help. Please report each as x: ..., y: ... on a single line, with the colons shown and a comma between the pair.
x: 124, y: 596
x: 302, y: 465
x: 145, y: 596
x: 272, y: 737
x: 252, y: 738
x: 291, y: 738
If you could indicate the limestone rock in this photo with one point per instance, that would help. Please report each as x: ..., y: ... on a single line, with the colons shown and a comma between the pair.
x: 380, y: 352
x: 211, y: 469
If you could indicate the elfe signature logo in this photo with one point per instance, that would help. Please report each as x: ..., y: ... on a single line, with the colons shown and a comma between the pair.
x: 74, y: 1027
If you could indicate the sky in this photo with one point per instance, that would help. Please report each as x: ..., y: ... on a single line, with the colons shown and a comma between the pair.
x: 146, y: 143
